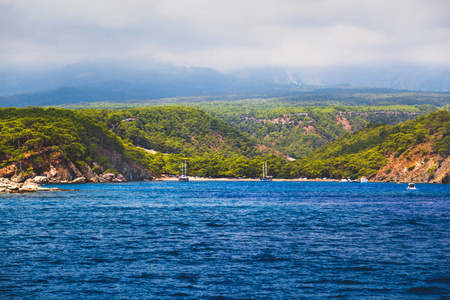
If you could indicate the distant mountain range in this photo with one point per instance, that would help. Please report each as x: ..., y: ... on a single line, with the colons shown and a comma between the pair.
x: 107, y: 81
x: 413, y: 78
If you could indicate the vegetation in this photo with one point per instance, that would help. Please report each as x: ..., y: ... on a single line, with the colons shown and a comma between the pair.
x: 212, y: 146
x: 160, y: 137
x: 176, y: 129
x: 69, y: 134
x: 288, y: 127
x: 365, y: 152
x: 298, y: 131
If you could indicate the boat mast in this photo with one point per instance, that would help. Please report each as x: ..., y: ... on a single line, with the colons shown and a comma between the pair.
x: 183, y: 168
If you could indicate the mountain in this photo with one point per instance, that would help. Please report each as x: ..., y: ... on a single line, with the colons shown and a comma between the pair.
x: 114, y: 81
x: 399, y: 77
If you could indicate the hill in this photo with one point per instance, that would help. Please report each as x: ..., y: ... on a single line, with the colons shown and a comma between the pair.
x: 142, y: 143
x: 297, y: 131
x: 293, y: 127
x: 177, y: 130
x: 416, y: 150
x: 66, y: 145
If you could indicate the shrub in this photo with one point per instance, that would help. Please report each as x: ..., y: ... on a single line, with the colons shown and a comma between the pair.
x: 111, y: 171
x: 29, y: 171
x: 97, y: 170
x: 410, y: 167
x: 38, y: 160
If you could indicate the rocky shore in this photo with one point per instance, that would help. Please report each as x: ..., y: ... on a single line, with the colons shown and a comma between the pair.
x: 33, y: 184
x: 8, y: 186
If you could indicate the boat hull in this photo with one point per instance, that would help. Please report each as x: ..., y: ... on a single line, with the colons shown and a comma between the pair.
x: 265, y: 178
x: 183, y: 178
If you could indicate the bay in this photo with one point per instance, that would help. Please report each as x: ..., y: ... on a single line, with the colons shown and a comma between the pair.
x: 226, y: 240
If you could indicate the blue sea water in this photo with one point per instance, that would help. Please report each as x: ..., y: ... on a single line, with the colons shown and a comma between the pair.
x: 226, y: 240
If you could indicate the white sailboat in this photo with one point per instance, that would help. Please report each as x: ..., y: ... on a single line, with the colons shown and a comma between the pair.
x: 265, y: 176
x: 183, y: 176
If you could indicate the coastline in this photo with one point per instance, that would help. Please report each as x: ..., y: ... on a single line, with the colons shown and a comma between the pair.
x: 195, y: 178
x: 31, y: 185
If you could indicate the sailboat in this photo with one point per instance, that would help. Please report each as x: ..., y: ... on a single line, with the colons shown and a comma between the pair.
x: 183, y: 176
x: 264, y: 176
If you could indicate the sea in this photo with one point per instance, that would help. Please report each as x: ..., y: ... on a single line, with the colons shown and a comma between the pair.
x: 227, y: 240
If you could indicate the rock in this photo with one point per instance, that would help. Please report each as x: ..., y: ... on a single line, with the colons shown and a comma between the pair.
x: 14, y: 187
x: 81, y: 179
x: 107, y: 177
x: 87, y: 172
x: 29, y: 186
x: 131, y: 171
x: 94, y: 179
x: 119, y: 178
x: 43, y: 189
x: 17, y: 178
x: 40, y: 179
x: 416, y: 167
x: 8, y: 186
x: 8, y: 171
x: 53, y: 171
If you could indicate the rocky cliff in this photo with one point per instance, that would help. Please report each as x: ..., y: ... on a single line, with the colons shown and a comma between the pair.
x: 49, y: 166
x: 417, y: 165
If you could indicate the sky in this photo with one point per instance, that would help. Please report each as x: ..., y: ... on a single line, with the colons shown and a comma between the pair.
x: 225, y: 35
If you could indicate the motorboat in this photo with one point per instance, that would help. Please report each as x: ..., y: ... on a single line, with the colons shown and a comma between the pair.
x: 411, y: 186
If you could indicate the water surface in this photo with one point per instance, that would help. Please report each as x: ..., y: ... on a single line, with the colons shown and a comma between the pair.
x: 226, y: 240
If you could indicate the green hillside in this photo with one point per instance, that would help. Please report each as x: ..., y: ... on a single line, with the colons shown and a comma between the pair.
x: 177, y: 130
x: 299, y: 131
x: 159, y: 138
x: 366, y: 151
x: 297, y: 125
x: 33, y: 138
x: 69, y: 134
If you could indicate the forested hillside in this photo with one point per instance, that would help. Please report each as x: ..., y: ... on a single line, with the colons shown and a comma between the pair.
x: 295, y: 126
x: 69, y: 144
x: 176, y: 129
x: 64, y: 144
x: 299, y: 131
x: 423, y: 144
x: 85, y: 145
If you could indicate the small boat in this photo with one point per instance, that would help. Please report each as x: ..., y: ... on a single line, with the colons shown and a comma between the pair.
x: 411, y: 186
x: 183, y: 176
x: 364, y: 180
x: 264, y: 176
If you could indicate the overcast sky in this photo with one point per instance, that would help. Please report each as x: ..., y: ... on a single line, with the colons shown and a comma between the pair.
x: 225, y: 34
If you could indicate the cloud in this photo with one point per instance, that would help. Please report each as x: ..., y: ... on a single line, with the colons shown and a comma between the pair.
x: 225, y: 34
